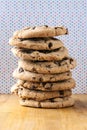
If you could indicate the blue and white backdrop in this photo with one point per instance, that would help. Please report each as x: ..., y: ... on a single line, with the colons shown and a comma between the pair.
x: 15, y: 14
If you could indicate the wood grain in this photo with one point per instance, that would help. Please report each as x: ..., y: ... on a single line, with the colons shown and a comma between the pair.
x: 15, y: 117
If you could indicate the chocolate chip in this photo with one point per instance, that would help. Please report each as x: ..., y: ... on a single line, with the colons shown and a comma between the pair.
x: 71, y: 60
x: 46, y: 26
x: 21, y: 88
x: 67, y: 74
x: 40, y: 79
x: 48, y: 66
x: 59, y: 27
x: 33, y: 57
x: 21, y: 70
x: 51, y: 84
x: 34, y: 77
x: 48, y: 71
x: 50, y: 45
x: 59, y: 64
x: 33, y: 28
x: 51, y: 77
x: 34, y: 70
x: 65, y: 58
x: 56, y: 27
x: 61, y: 92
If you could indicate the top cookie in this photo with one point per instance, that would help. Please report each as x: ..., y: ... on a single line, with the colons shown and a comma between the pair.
x: 40, y: 31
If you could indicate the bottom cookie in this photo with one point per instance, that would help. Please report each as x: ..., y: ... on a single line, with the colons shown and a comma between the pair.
x: 57, y: 103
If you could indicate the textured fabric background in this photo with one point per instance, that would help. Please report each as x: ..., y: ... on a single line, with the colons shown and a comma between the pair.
x: 15, y: 14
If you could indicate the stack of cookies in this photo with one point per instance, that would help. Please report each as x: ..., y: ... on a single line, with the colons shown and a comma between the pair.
x: 43, y: 75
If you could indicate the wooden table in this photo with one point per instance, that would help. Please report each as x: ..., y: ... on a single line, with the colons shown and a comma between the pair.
x: 15, y: 117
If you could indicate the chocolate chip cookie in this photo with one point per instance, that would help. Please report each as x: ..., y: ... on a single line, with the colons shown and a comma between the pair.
x: 38, y: 95
x: 43, y: 55
x: 40, y: 31
x: 48, y: 43
x: 55, y: 86
x: 60, y: 103
x: 48, y: 67
x: 22, y: 74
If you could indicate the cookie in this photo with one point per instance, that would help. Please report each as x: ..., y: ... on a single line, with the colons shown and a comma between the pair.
x: 22, y: 74
x: 48, y: 67
x: 40, y: 31
x: 41, y: 95
x: 48, y: 43
x: 47, y: 55
x: 55, y: 86
x: 61, y: 103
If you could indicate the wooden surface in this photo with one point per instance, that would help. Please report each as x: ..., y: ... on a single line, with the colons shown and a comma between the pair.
x: 15, y: 117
